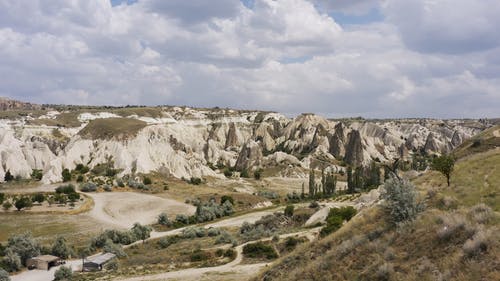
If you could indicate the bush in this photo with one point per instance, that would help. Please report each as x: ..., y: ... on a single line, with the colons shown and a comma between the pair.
x: 8, y: 176
x: 193, y: 232
x: 66, y: 189
x: 225, y: 238
x: 73, y: 197
x: 257, y: 174
x: 385, y: 271
x: 22, y: 202
x: 452, y: 225
x: 117, y: 249
x: 24, y: 245
x: 400, y: 200
x: 336, y: 217
x: 80, y: 178
x: 60, y: 248
x: 289, y: 210
x: 259, y: 250
x: 228, y: 173
x: 200, y: 255
x: 225, y: 198
x: 4, y: 275
x: 481, y: 213
x: 82, y: 169
x: 120, y: 183
x: 147, y: 181
x: 39, y: 198
x: 163, y: 220
x: 195, y: 181
x: 268, y: 194
x: 112, y: 265
x: 212, y: 232
x: 66, y: 175
x: 244, y: 173
x: 6, y: 205
x: 11, y: 261
x: 88, y: 187
x: 107, y: 188
x: 2, y: 197
x: 63, y: 273
x: 314, y: 205
x: 167, y: 241
x: 181, y: 218
x: 476, y: 245
x: 36, y: 174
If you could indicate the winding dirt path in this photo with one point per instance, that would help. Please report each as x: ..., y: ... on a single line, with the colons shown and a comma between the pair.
x: 234, y: 267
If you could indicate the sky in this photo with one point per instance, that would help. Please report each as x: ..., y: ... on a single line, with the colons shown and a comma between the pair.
x: 336, y: 58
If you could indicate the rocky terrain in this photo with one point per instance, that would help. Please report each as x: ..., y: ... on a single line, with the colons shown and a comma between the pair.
x: 187, y: 142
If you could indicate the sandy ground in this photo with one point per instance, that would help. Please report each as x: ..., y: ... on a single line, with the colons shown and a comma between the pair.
x: 123, y: 209
x: 496, y: 133
x: 44, y: 275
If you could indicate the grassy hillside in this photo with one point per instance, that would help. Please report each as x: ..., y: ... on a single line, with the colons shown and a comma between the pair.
x: 454, y: 238
x: 118, y: 128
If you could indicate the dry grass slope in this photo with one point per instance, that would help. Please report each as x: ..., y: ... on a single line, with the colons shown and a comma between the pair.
x: 112, y: 128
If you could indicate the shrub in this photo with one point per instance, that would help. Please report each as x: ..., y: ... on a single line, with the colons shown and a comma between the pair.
x: 112, y: 265
x: 293, y: 197
x: 167, y: 241
x: 147, y: 181
x: 141, y: 231
x: 73, y: 197
x: 195, y: 181
x: 22, y: 202
x: 80, y: 178
x: 314, y: 205
x: 259, y: 250
x: 4, y: 275
x: 225, y: 238
x: 181, y: 218
x: 289, y: 210
x: 8, y: 176
x: 225, y: 198
x: 451, y: 226
x: 193, y: 232
x: 348, y: 245
x: 63, y: 273
x: 2, y: 197
x: 6, y: 205
x: 200, y: 255
x: 66, y: 175
x: 120, y: 183
x: 385, y: 271
x: 268, y: 194
x: 88, y: 187
x: 117, y: 249
x: 60, y: 248
x: 24, y: 245
x: 212, y: 232
x: 257, y: 174
x: 66, y: 189
x: 39, y: 198
x: 336, y: 217
x: 11, y: 261
x: 476, y: 245
x: 37, y: 174
x: 481, y: 213
x: 400, y: 200
x: 163, y: 220
x: 228, y: 173
x: 107, y: 188
x: 244, y: 173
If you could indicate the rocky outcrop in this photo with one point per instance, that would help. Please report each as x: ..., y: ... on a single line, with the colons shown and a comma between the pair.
x: 456, y: 139
x: 232, y: 137
x: 354, y: 149
x: 431, y: 144
x: 249, y: 157
x: 337, y: 142
x: 8, y: 104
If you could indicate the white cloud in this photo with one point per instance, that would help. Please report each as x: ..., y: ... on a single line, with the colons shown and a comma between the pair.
x: 283, y: 55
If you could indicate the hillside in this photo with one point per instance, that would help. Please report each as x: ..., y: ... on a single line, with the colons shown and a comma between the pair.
x: 189, y: 142
x: 454, y: 238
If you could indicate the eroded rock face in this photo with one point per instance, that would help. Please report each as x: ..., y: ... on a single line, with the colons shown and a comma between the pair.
x: 8, y: 104
x: 184, y: 141
x: 354, y: 149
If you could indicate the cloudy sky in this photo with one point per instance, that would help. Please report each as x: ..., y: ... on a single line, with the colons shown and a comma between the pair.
x: 371, y: 58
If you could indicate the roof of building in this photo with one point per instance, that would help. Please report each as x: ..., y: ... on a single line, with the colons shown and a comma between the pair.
x: 47, y: 258
x: 101, y: 259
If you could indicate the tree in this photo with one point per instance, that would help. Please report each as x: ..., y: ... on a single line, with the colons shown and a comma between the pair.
x: 83, y: 253
x: 330, y: 184
x: 24, y: 245
x: 8, y: 176
x: 350, y: 182
x: 23, y: 202
x: 66, y: 175
x: 147, y: 181
x: 444, y: 164
x: 7, y: 205
x: 12, y: 261
x: 312, y: 184
x: 289, y: 210
x: 141, y: 231
x: 2, y: 197
x: 36, y: 174
x: 4, y: 275
x: 60, y: 248
x: 51, y: 200
x: 400, y: 200
x: 63, y: 273
x: 39, y: 197
x: 163, y: 219
x: 257, y: 174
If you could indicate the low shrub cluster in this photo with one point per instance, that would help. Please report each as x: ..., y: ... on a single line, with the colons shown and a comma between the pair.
x: 336, y: 217
x: 265, y: 227
x: 259, y: 250
x: 268, y: 194
x: 211, y: 210
x: 88, y: 187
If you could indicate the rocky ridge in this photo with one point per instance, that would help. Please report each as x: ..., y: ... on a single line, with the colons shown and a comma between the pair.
x: 186, y: 142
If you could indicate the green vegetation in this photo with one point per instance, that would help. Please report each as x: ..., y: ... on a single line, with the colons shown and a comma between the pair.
x: 63, y: 273
x: 444, y: 164
x: 336, y: 218
x: 112, y: 128
x: 259, y: 250
x: 401, y: 200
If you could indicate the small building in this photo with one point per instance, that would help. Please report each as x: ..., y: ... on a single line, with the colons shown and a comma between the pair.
x: 96, y: 263
x: 44, y: 262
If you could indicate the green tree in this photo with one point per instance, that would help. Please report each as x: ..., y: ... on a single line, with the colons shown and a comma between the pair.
x: 350, y: 181
x: 11, y: 261
x: 63, y: 273
x: 36, y: 174
x: 39, y: 198
x: 257, y: 174
x: 24, y: 245
x: 330, y: 184
x: 289, y: 210
x: 444, y: 164
x: 400, y: 198
x: 8, y: 176
x: 60, y: 248
x: 163, y: 220
x: 6, y: 205
x: 22, y: 202
x: 141, y: 231
x: 4, y: 275
x: 312, y: 184
x: 66, y: 175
